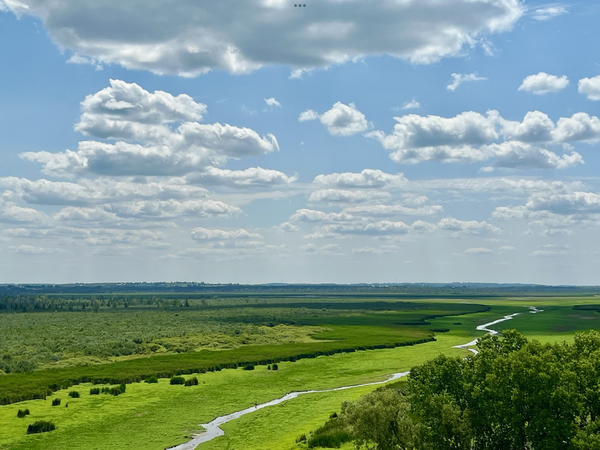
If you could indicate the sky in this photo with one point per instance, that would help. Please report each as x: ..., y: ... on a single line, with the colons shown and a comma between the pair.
x: 258, y: 141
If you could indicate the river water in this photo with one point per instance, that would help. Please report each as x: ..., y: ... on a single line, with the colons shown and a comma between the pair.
x: 213, y: 429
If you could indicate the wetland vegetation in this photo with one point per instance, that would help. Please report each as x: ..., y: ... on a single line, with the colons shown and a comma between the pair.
x: 315, y: 342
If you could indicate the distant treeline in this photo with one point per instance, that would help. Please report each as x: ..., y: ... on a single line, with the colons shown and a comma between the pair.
x: 32, y: 303
x: 451, y: 289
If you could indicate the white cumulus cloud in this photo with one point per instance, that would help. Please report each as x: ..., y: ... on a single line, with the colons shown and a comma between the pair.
x: 460, y: 78
x: 196, y: 37
x: 590, y: 87
x: 272, y: 102
x: 543, y: 83
x: 340, y: 120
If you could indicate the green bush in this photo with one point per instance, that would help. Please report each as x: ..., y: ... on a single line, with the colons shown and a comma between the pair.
x: 22, y: 413
x: 191, y: 382
x: 41, y: 426
x: 331, y: 435
x: 56, y: 402
x: 74, y: 394
x: 115, y: 391
x: 151, y: 379
x: 249, y: 367
x: 177, y: 380
x: 94, y: 391
x: 275, y: 367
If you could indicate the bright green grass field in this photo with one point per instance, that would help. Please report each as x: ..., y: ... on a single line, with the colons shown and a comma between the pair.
x: 156, y: 416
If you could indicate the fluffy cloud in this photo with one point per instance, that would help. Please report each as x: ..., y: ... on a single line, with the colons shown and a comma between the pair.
x: 590, y: 87
x: 169, y: 209
x: 347, y: 196
x: 470, y: 227
x: 367, y: 178
x: 97, y: 191
x: 119, y: 215
x: 520, y: 155
x: 393, y: 210
x: 413, y: 104
x: 26, y: 249
x: 126, y: 111
x: 205, y: 234
x: 478, y: 251
x: 196, y: 147
x: 311, y: 215
x: 196, y: 37
x: 340, y: 120
x: 10, y: 212
x: 329, y: 249
x: 471, y: 136
x: 535, y: 127
x: 379, y: 228
x: 272, y: 102
x: 434, y: 138
x: 543, y: 83
x: 460, y: 78
x: 251, y: 177
x: 579, y: 127
x: 572, y: 203
x: 286, y: 227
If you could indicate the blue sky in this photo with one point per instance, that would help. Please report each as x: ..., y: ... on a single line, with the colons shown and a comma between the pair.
x: 349, y: 141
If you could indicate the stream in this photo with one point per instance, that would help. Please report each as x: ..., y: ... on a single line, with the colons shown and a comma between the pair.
x: 213, y: 430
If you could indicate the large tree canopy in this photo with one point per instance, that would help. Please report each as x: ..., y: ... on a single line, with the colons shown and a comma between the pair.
x: 514, y: 394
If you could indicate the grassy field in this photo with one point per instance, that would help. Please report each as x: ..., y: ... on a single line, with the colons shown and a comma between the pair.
x: 155, y: 416
x: 349, y: 326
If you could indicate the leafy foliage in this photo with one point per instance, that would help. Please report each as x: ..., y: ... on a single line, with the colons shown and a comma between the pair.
x: 177, y: 380
x: 514, y: 394
x: 41, y: 426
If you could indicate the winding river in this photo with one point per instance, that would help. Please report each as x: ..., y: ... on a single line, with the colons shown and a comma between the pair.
x: 213, y: 430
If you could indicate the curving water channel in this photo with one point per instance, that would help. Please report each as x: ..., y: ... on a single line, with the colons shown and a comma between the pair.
x: 213, y: 430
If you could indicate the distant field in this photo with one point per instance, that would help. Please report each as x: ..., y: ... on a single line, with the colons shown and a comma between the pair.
x: 154, y: 416
x: 165, y: 342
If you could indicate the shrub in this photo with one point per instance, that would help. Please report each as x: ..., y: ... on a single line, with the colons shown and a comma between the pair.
x: 301, y: 438
x: 41, y: 426
x: 249, y: 367
x: 123, y: 388
x: 22, y: 413
x: 56, y: 402
x: 275, y: 367
x: 151, y: 379
x: 74, y: 394
x: 269, y: 367
x: 191, y: 382
x: 115, y: 391
x: 94, y: 391
x: 331, y: 435
x: 177, y: 380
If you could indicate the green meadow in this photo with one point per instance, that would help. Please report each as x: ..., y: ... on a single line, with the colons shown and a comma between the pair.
x: 157, y: 416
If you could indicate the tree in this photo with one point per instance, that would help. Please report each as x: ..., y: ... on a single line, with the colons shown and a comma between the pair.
x: 381, y: 420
